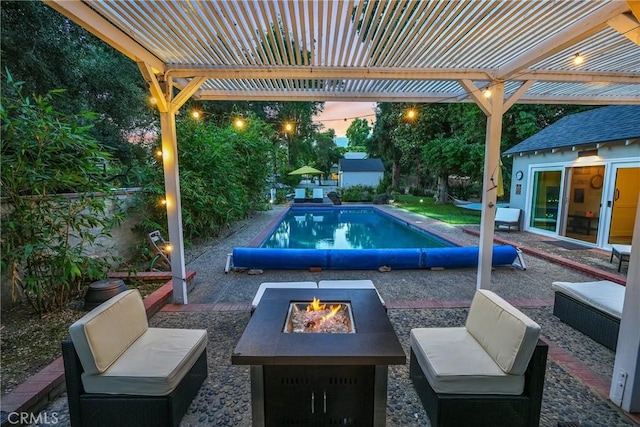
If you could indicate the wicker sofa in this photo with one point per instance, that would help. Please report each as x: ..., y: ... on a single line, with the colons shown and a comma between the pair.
x: 120, y: 372
x: 488, y: 373
x: 593, y: 308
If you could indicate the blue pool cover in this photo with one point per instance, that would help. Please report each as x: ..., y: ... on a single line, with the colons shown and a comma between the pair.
x: 367, y: 259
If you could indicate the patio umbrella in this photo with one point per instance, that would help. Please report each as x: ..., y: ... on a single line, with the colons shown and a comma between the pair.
x: 306, y: 170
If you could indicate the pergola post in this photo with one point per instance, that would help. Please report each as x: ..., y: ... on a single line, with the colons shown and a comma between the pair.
x: 625, y: 383
x: 173, y: 204
x: 490, y: 185
x: 494, y: 107
x: 168, y: 107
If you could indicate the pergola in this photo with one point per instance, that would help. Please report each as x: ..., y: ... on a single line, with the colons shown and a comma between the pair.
x: 384, y: 51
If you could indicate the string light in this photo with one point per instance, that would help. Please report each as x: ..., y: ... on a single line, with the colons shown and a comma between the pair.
x: 578, y: 59
x: 159, y: 153
x: 195, y: 114
x: 288, y: 127
x: 239, y: 123
x: 168, y: 247
x: 164, y: 202
x: 487, y: 92
x: 153, y: 101
x: 411, y: 114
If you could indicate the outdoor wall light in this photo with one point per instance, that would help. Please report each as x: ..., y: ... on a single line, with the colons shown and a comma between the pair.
x: 578, y: 59
x: 587, y: 153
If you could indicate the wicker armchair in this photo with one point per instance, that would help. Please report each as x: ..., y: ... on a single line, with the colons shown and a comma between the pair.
x: 485, y: 409
x: 488, y: 373
x: 119, y: 410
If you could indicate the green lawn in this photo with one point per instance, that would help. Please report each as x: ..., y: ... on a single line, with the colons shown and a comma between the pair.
x: 446, y: 213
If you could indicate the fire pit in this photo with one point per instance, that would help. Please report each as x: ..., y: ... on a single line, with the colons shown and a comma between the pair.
x: 319, y: 317
x: 306, y: 370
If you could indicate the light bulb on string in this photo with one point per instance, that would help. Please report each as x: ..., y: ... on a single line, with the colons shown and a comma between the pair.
x: 578, y: 59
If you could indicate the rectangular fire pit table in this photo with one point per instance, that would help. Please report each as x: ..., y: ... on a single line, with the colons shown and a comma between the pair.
x: 319, y: 379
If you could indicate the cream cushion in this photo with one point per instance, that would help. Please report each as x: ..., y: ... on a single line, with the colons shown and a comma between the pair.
x: 280, y: 285
x: 349, y: 284
x: 153, y: 365
x: 603, y: 295
x: 106, y: 332
x: 454, y: 362
x: 504, y: 332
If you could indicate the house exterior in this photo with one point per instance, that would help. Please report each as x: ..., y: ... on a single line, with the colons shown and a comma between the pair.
x: 579, y: 178
x: 360, y: 172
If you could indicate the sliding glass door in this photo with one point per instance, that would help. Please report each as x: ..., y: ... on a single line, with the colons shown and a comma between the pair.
x: 624, y: 205
x: 545, y: 200
x: 583, y: 202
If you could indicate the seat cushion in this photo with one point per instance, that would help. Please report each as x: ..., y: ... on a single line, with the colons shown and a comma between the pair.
x: 104, y: 334
x: 454, y: 362
x: 602, y: 295
x: 153, y: 365
x: 349, y: 284
x: 280, y: 285
x: 503, y: 331
x: 622, y: 249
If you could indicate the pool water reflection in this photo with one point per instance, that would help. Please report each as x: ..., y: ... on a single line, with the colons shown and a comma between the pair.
x: 347, y: 228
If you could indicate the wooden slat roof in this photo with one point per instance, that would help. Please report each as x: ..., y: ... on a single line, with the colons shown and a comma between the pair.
x: 357, y: 50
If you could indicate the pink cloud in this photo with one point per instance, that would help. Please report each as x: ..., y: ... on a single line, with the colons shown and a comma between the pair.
x: 335, y: 113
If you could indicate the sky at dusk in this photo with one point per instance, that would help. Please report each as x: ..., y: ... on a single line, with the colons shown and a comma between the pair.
x: 335, y: 113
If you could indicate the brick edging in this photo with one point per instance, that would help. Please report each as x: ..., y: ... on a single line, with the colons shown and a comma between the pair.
x: 556, y: 259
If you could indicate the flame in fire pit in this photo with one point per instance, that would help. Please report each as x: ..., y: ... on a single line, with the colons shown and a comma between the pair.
x: 316, y: 317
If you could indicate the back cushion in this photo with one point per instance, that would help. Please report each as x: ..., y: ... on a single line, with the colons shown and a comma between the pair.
x: 103, y: 334
x: 505, y: 333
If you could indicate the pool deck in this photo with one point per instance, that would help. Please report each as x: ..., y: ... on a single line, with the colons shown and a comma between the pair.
x: 578, y: 370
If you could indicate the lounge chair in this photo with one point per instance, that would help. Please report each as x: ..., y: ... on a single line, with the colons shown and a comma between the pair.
x: 622, y: 252
x: 318, y: 195
x: 161, y: 256
x: 508, y: 217
x: 300, y: 195
x: 593, y: 308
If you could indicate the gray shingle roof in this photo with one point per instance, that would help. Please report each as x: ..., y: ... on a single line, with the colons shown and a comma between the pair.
x: 361, y: 165
x: 614, y: 123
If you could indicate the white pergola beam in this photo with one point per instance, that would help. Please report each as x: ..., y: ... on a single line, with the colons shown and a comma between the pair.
x: 508, y: 103
x: 105, y: 31
x: 307, y: 72
x: 367, y: 73
x: 574, y: 33
x: 157, y: 91
x: 427, y: 98
x: 186, y: 93
x: 627, y: 25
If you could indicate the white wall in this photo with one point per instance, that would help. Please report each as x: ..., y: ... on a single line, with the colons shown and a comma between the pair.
x: 349, y: 179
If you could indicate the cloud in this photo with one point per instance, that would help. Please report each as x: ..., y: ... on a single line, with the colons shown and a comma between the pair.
x: 335, y: 113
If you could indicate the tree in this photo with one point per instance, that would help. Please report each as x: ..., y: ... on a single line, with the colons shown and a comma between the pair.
x: 381, y: 142
x: 45, y: 235
x: 326, y: 150
x: 358, y: 133
x: 48, y: 51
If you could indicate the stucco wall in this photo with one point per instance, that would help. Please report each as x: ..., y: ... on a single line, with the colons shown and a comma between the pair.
x: 122, y: 243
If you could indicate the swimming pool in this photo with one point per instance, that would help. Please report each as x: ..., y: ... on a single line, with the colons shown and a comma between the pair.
x: 347, y: 228
x: 301, y: 239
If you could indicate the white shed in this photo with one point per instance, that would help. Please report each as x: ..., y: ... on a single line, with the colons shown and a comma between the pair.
x: 360, y: 172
